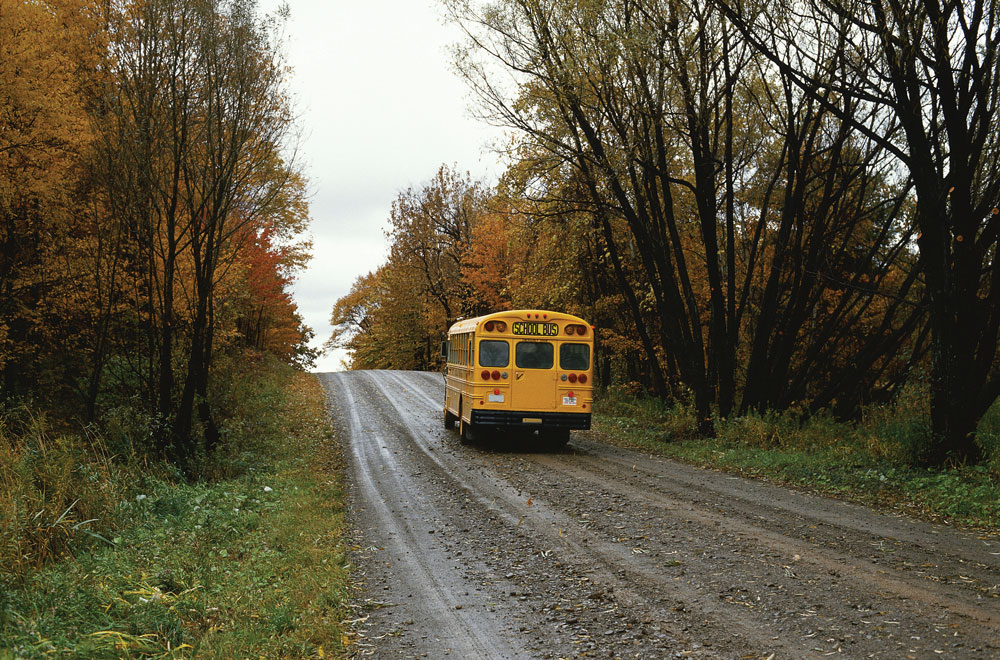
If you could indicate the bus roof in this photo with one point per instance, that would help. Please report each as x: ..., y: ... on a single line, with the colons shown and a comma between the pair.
x: 470, y: 325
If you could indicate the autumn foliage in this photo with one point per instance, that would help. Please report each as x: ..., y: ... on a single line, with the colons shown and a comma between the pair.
x: 149, y: 211
x: 731, y: 207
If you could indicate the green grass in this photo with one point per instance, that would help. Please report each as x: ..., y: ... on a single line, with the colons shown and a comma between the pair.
x: 869, y: 462
x: 249, y: 563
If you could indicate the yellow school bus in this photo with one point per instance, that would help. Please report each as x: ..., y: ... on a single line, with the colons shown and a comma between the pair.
x: 525, y: 369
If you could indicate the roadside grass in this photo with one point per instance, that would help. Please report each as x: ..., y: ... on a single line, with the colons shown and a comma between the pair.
x: 247, y: 562
x: 871, y: 462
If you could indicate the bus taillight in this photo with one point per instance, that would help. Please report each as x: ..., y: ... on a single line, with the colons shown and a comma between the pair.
x: 485, y: 374
x: 500, y: 326
x: 583, y: 378
x: 496, y: 375
x: 572, y: 378
x: 489, y: 326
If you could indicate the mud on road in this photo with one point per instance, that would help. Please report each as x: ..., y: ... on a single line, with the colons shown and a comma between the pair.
x: 496, y: 550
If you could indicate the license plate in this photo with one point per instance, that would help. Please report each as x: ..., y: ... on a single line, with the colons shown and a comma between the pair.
x: 569, y: 400
x: 495, y: 398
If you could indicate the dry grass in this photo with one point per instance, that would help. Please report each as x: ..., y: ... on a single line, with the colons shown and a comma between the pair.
x: 248, y: 564
x: 57, y: 491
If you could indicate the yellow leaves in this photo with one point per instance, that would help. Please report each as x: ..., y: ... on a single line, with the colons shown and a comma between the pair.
x: 45, y: 124
x: 45, y: 52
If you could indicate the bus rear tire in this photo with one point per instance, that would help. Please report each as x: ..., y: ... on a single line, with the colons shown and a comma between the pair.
x: 449, y: 420
x: 464, y: 432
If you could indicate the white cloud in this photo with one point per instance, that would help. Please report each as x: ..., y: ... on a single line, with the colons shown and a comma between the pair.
x: 380, y: 110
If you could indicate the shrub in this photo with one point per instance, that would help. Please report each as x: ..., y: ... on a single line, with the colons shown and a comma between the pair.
x: 57, y: 490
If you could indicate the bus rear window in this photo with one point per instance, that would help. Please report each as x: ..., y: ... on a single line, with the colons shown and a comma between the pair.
x: 533, y: 355
x: 574, y: 357
x: 493, y: 353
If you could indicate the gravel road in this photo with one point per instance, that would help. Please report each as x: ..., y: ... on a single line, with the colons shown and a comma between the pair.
x: 496, y: 550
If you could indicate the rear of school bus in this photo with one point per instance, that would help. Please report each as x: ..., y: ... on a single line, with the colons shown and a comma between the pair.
x: 524, y: 369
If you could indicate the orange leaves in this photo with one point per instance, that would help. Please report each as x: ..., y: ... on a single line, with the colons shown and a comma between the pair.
x: 491, y: 266
x: 396, y: 316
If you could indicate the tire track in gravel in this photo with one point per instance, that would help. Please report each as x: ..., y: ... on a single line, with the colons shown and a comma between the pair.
x: 708, y: 564
x: 378, y: 473
x: 956, y: 568
x: 587, y: 470
x: 617, y: 567
x: 842, y: 518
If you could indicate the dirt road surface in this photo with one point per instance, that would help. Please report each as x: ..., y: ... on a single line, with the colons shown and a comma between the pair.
x: 495, y: 550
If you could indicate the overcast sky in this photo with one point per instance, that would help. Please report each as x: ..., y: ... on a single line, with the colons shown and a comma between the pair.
x: 381, y: 110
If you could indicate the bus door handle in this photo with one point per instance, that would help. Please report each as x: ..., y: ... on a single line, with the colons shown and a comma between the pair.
x: 518, y: 375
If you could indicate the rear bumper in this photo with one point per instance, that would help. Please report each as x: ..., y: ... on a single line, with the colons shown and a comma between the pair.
x: 545, y: 420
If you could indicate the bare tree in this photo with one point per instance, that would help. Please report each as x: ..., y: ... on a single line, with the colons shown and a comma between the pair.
x: 930, y: 69
x: 195, y: 128
x: 761, y: 226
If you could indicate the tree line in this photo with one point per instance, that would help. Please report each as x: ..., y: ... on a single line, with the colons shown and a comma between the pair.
x: 762, y: 206
x: 150, y: 204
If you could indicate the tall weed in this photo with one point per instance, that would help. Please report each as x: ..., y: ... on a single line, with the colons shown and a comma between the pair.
x: 58, y: 491
x: 667, y: 420
x: 208, y: 568
x: 247, y: 395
